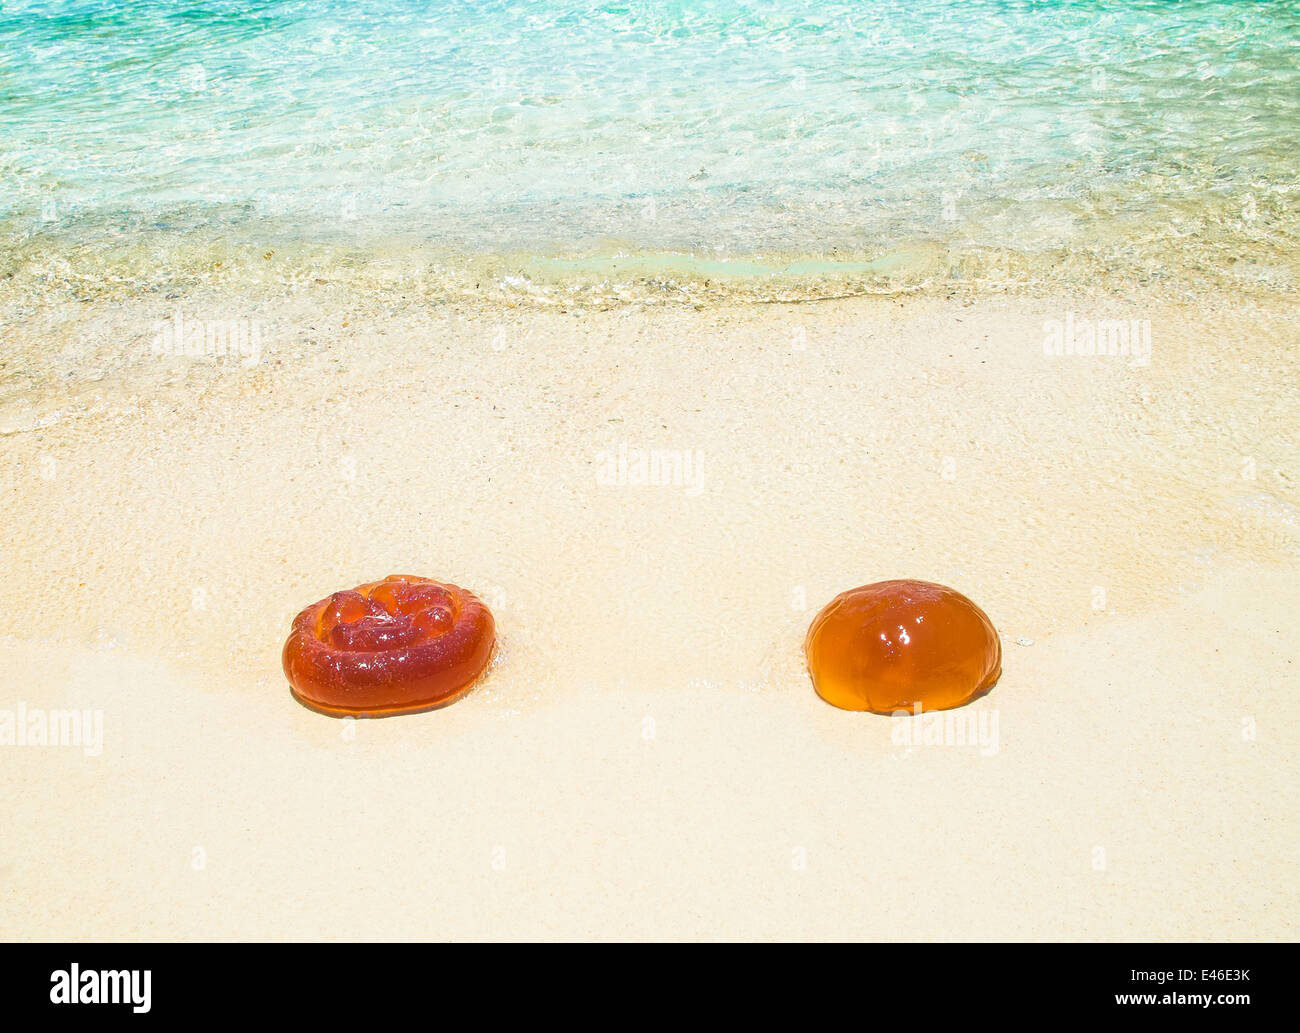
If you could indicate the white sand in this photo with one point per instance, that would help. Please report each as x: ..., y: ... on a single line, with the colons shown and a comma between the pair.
x: 647, y: 757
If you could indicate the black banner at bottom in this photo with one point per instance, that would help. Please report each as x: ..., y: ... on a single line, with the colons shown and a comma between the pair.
x: 165, y: 982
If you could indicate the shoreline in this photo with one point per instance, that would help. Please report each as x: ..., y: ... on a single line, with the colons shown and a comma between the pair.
x: 72, y: 260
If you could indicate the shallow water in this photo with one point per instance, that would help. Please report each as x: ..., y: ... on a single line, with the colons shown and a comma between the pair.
x: 573, y: 142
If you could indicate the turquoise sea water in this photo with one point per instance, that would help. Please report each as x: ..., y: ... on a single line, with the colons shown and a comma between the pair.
x: 1010, y: 139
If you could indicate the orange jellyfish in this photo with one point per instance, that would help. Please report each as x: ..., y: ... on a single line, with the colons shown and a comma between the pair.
x: 397, y: 646
x: 892, y: 645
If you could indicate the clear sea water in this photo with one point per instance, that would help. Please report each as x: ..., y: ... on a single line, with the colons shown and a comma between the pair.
x: 989, y: 139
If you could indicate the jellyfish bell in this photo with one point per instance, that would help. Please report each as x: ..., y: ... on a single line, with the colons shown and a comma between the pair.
x: 897, y: 645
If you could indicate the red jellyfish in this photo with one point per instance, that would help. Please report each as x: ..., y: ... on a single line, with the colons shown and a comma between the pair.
x: 396, y: 646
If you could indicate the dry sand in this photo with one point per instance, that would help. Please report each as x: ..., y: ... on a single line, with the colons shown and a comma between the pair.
x: 647, y: 758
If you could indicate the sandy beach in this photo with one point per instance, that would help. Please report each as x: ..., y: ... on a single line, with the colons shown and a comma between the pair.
x: 654, y: 500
